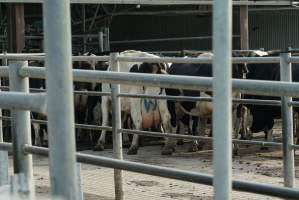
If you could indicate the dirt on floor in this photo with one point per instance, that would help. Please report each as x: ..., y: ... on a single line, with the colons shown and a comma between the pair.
x: 253, y: 164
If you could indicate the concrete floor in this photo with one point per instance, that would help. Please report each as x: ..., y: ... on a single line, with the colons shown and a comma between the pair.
x: 253, y: 164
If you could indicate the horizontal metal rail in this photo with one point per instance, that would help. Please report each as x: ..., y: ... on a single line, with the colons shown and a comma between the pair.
x: 42, y: 57
x: 195, y: 177
x: 202, y: 138
x: 5, y: 146
x: 38, y: 37
x: 81, y: 126
x: 202, y: 60
x: 89, y: 93
x: 199, y: 60
x: 293, y: 59
x: 175, y: 98
x: 207, y: 99
x: 257, y: 87
x: 294, y: 103
x: 23, y: 101
x: 165, y: 39
x: 165, y: 2
x: 163, y: 135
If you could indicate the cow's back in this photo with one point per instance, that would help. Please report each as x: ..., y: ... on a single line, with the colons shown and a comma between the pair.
x: 126, y: 67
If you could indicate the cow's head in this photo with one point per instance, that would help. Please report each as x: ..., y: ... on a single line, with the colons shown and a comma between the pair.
x: 84, y: 65
x: 239, y: 70
x: 150, y: 68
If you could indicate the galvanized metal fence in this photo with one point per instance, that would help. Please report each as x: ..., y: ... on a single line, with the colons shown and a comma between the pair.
x: 58, y: 104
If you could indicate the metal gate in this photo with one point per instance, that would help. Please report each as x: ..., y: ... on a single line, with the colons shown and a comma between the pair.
x: 58, y: 104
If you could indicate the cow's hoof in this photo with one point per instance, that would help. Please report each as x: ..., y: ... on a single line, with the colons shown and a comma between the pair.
x: 132, y: 150
x: 126, y: 144
x: 168, y: 151
x: 45, y: 144
x: 193, y: 148
x: 264, y: 148
x: 37, y: 143
x: 236, y: 152
x: 180, y: 142
x: 99, y: 147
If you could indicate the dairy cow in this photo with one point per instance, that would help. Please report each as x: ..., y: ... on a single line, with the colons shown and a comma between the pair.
x: 201, y: 110
x: 143, y: 112
x: 259, y: 118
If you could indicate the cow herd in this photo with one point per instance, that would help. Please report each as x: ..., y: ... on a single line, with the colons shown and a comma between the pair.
x: 169, y: 116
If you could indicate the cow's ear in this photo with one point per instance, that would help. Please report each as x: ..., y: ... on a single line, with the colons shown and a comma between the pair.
x: 156, y: 68
x: 134, y: 68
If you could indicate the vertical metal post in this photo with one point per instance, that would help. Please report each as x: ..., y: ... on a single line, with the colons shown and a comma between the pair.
x: 4, y: 167
x: 101, y: 41
x: 3, y: 154
x: 4, y: 63
x: 84, y: 27
x: 116, y: 125
x: 287, y: 124
x: 21, y: 127
x: 57, y: 31
x: 244, y: 35
x: 222, y: 100
x: 80, y: 191
x: 16, y: 27
x: 3, y: 158
x: 107, y: 39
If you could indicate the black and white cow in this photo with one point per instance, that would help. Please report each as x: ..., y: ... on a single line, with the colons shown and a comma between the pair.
x: 257, y: 118
x: 202, y: 110
x: 87, y: 106
x: 40, y: 136
x: 144, y: 112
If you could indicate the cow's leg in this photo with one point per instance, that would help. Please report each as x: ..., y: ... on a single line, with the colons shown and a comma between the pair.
x: 37, y: 139
x: 126, y: 140
x: 247, y: 123
x: 181, y: 132
x: 236, y: 118
x: 241, y: 111
x: 169, y: 122
x: 105, y: 115
x: 135, y: 109
x: 198, y: 145
x: 96, y: 118
x: 269, y: 130
x: 88, y: 120
x: 45, y: 137
x: 268, y: 136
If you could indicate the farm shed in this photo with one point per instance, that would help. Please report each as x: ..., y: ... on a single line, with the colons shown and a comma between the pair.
x: 57, y: 102
x: 182, y: 27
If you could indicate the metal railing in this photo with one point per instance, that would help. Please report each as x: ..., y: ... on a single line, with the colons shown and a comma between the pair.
x: 161, y: 81
x: 63, y: 170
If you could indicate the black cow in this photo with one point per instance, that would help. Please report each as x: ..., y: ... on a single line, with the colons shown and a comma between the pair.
x: 262, y: 116
x: 180, y: 111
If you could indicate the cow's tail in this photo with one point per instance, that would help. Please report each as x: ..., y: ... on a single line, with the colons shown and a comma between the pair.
x: 193, y: 114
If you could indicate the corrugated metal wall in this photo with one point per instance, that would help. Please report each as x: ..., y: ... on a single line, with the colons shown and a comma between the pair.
x: 267, y: 29
x: 151, y: 27
x: 274, y: 29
